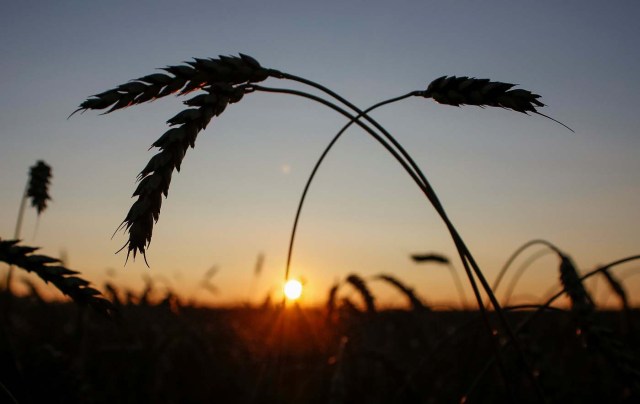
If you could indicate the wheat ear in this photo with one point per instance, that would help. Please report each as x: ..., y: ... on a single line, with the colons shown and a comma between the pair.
x: 456, y: 91
x: 361, y: 286
x: 155, y: 177
x: 50, y: 270
x: 221, y: 80
x: 38, y: 188
x: 416, y: 303
x: 194, y: 75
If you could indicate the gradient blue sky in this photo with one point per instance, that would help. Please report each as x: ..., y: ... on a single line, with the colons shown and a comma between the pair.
x: 504, y: 177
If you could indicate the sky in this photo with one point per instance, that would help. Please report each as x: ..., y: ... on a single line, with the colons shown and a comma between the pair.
x: 503, y: 177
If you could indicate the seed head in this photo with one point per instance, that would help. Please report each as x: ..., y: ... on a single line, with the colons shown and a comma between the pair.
x: 38, y: 188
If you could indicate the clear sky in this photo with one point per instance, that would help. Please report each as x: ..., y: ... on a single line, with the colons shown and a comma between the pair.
x: 504, y: 177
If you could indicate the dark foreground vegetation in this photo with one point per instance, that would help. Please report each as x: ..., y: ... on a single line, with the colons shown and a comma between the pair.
x: 166, y: 353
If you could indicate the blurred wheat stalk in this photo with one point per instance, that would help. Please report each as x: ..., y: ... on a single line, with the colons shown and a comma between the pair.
x: 37, y: 191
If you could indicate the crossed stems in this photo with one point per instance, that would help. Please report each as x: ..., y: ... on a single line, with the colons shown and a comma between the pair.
x: 546, y: 305
x: 416, y: 174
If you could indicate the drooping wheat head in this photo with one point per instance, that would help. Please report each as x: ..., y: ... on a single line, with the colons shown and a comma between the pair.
x: 50, y: 270
x: 361, y: 286
x: 416, y: 303
x: 616, y: 287
x: 195, y: 75
x: 439, y: 258
x: 581, y: 302
x: 38, y: 187
x: 221, y: 81
x: 456, y: 91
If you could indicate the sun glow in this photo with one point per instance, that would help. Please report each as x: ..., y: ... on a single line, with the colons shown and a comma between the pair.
x: 293, y: 289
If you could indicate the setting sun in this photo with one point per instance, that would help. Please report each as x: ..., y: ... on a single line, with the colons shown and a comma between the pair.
x: 293, y: 289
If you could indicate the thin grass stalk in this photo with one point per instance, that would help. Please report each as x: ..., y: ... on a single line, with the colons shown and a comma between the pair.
x: 467, y: 260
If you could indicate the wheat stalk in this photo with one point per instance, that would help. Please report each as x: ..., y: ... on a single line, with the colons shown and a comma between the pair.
x: 50, y: 270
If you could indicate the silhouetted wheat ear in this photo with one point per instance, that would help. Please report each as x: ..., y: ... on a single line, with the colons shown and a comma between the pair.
x: 581, y: 302
x: 361, y: 286
x: 616, y: 287
x: 38, y: 188
x: 331, y: 300
x: 155, y: 177
x: 194, y: 75
x: 416, y: 303
x: 452, y: 90
x: 221, y: 80
x: 49, y: 270
x: 441, y: 259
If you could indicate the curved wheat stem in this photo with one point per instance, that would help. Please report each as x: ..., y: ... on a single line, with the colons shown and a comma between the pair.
x: 519, y: 272
x: 315, y: 170
x: 516, y: 253
x: 468, y: 261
